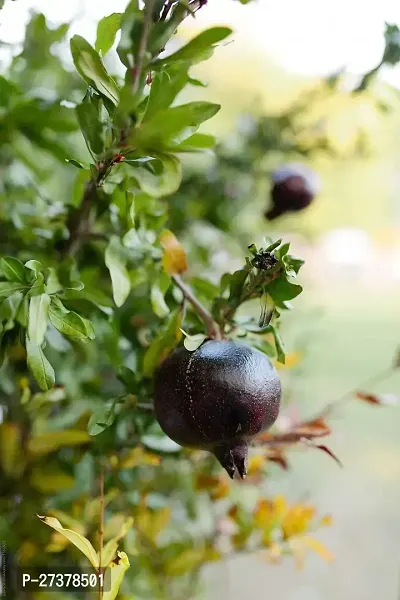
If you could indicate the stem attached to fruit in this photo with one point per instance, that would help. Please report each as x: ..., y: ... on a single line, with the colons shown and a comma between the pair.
x: 213, y: 329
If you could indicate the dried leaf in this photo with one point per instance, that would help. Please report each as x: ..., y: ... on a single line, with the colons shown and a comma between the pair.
x: 318, y: 547
x: 174, y: 259
x: 324, y: 449
x: 381, y: 399
x: 277, y: 456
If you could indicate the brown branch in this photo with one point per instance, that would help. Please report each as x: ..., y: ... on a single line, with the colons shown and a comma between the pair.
x: 213, y: 329
x: 78, y: 224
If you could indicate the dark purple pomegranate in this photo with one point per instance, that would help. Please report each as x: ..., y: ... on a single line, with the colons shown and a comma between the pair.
x: 294, y: 188
x: 217, y: 398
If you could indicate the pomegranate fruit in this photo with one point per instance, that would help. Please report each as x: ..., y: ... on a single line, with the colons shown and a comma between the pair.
x: 294, y: 186
x: 217, y: 398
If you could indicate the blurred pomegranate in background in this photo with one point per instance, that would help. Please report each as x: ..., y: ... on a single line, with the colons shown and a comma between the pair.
x: 294, y: 186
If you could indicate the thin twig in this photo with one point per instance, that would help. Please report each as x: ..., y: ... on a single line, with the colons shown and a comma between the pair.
x: 148, y: 10
x: 101, y: 528
x: 213, y: 329
x: 78, y: 224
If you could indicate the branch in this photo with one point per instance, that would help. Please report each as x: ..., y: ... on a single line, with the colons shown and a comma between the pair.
x: 213, y: 329
x: 78, y: 224
x: 142, y: 45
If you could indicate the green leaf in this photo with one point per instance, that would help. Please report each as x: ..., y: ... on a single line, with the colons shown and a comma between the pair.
x: 90, y: 122
x: 199, y: 48
x: 165, y: 178
x: 166, y: 340
x: 75, y: 163
x: 198, y: 141
x: 13, y: 269
x: 75, y: 538
x: 107, y: 29
x: 37, y: 318
x: 67, y: 322
x: 117, y: 567
x: 282, y: 290
x: 7, y: 288
x: 192, y: 342
x: 102, y: 418
x: 39, y: 366
x: 280, y: 348
x: 160, y: 307
x: 174, y: 125
x: 272, y: 246
x: 115, y: 260
x: 164, y: 89
x: 89, y: 65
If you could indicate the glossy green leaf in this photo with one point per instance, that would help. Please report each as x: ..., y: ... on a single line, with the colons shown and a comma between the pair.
x: 199, y: 48
x: 89, y: 65
x: 37, y: 318
x: 13, y: 269
x: 67, y: 322
x: 107, y: 30
x: 196, y: 142
x: 90, y: 121
x: 165, y: 87
x: 39, y: 367
x: 281, y: 289
x: 115, y: 260
x: 174, y: 125
x: 163, y: 180
x: 102, y: 418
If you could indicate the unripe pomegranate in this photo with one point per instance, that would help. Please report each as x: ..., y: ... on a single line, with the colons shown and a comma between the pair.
x: 294, y: 187
x: 217, y: 398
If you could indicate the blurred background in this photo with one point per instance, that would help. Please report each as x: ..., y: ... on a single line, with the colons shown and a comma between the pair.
x: 292, y: 86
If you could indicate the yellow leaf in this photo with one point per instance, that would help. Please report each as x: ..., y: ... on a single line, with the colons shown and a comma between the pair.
x: 47, y: 481
x: 186, y: 561
x: 116, y: 571
x: 318, y: 547
x: 139, y: 456
x: 69, y: 521
x: 11, y: 457
x: 212, y: 555
x: 326, y: 521
x: 27, y: 551
x: 78, y: 540
x: 174, y: 259
x: 44, y: 443
x: 150, y: 524
x: 264, y: 514
x: 110, y: 549
x: 256, y: 462
x: 291, y: 360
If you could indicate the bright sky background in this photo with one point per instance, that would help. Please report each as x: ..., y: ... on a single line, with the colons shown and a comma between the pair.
x: 310, y: 37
